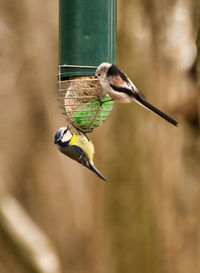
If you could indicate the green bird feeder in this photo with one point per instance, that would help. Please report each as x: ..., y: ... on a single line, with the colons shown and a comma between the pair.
x: 87, y: 38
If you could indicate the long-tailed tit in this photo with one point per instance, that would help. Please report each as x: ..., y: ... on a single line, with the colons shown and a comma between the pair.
x: 120, y: 88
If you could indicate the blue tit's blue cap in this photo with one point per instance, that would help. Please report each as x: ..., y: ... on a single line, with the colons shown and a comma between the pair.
x: 57, y: 136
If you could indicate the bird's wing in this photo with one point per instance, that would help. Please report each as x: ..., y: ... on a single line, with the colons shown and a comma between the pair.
x: 119, y: 81
x: 127, y: 88
x: 122, y: 89
x: 119, y: 84
x: 78, y: 154
x: 136, y: 90
x: 84, y: 144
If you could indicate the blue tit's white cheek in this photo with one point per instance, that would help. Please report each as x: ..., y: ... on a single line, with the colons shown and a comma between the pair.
x: 59, y: 133
x: 66, y: 137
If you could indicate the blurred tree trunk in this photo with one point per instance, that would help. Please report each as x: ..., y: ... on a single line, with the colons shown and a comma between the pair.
x: 153, y: 203
x: 146, y: 219
x: 58, y: 195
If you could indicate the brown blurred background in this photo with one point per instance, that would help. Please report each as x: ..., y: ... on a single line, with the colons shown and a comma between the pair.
x: 55, y: 215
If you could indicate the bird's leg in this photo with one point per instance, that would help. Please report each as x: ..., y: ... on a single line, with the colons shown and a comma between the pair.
x: 86, y: 136
x: 102, y: 102
x: 80, y: 132
x: 109, y: 100
x: 69, y: 126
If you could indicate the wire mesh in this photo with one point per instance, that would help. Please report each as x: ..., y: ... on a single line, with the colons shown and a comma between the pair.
x: 85, y: 104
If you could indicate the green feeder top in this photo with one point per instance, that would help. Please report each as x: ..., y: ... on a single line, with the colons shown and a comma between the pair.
x: 87, y: 35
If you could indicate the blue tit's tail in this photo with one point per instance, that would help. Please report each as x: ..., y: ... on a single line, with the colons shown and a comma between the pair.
x: 92, y: 168
x: 154, y: 109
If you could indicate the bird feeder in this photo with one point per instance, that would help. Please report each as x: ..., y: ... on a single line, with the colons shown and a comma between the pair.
x: 87, y: 38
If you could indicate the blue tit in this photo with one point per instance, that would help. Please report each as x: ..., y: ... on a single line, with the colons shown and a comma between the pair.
x: 77, y: 147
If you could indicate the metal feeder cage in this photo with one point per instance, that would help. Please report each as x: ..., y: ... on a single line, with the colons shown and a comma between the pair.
x: 85, y: 104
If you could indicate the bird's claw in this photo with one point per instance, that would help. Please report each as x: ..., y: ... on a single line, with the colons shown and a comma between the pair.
x: 102, y: 102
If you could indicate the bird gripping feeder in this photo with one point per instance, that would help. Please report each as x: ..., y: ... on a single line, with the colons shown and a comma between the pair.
x: 87, y: 37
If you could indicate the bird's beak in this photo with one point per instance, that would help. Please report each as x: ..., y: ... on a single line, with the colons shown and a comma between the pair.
x: 95, y: 77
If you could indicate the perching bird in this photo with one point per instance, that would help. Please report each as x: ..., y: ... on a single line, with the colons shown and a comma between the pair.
x: 120, y: 88
x: 77, y: 147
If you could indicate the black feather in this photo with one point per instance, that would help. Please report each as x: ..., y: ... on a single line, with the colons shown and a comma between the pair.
x: 154, y: 109
x: 122, y: 89
x: 114, y: 71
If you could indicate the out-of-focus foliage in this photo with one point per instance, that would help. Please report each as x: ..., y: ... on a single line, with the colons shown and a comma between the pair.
x: 146, y: 219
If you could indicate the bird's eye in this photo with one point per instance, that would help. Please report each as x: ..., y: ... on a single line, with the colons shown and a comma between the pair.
x: 99, y: 74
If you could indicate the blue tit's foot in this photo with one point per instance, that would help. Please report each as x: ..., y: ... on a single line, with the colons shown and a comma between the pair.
x: 80, y: 132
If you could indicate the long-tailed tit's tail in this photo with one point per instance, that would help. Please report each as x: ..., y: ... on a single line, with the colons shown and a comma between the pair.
x: 154, y: 109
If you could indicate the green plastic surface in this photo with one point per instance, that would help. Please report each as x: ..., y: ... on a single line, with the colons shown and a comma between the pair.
x: 93, y: 115
x: 87, y: 35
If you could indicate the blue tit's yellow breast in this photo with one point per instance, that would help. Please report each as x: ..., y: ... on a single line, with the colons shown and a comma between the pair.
x: 86, y: 145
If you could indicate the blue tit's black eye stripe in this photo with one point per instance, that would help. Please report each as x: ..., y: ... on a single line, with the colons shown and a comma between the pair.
x: 115, y: 71
x: 122, y: 90
x: 65, y: 131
